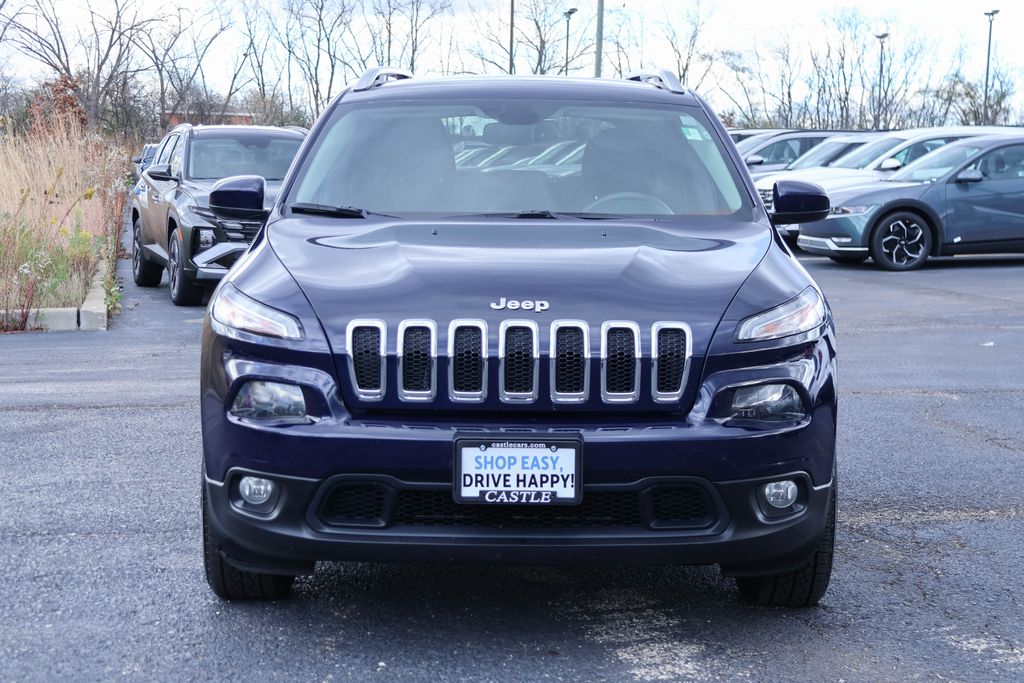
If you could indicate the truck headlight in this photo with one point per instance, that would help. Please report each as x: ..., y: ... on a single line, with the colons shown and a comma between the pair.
x: 233, y: 309
x: 264, y: 400
x: 803, y: 313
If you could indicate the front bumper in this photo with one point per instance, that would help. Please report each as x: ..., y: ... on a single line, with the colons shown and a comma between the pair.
x: 827, y: 246
x: 290, y: 539
x: 837, y: 235
x: 210, y: 264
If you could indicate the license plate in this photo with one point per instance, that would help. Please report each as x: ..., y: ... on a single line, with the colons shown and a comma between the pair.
x: 515, y: 471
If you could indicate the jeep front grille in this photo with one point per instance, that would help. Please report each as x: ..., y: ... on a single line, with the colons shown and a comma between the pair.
x: 519, y: 344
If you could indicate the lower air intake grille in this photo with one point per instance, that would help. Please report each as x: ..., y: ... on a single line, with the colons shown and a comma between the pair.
x: 467, y: 360
x: 357, y: 504
x: 519, y: 370
x: 366, y: 357
x: 417, y: 363
x: 436, y: 508
x: 686, y: 506
x: 671, y: 359
x: 621, y: 361
x: 570, y: 362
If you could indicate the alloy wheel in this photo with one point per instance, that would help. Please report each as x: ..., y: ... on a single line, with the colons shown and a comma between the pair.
x: 172, y: 266
x: 903, y: 242
x: 136, y: 252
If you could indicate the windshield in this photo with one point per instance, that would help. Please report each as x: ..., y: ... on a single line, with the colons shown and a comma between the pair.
x: 824, y: 154
x: 221, y: 156
x: 487, y: 156
x: 860, y: 158
x: 937, y: 164
x: 748, y: 143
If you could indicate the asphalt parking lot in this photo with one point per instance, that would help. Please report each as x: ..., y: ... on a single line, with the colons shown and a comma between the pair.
x: 100, y: 528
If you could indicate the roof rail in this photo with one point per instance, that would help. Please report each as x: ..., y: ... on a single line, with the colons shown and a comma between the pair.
x: 379, y: 75
x: 662, y: 78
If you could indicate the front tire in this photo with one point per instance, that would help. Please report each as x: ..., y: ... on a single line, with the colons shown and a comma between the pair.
x: 144, y: 273
x: 184, y: 292
x: 901, y: 241
x: 800, y: 587
x: 229, y: 583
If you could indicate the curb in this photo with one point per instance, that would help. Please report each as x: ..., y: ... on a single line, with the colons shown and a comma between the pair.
x: 91, y: 315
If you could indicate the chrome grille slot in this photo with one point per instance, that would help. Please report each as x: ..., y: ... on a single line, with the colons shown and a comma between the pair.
x: 417, y: 360
x: 670, y: 360
x: 767, y: 196
x: 570, y: 361
x: 467, y: 360
x: 366, y: 344
x: 413, y: 361
x: 518, y: 354
x: 620, y: 362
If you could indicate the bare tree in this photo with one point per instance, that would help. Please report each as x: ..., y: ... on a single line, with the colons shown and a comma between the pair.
x: 312, y: 37
x: 692, y: 64
x: 103, y: 42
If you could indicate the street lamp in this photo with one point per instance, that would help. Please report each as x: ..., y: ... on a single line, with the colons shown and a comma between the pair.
x: 988, y: 60
x: 881, y: 62
x: 599, y: 39
x: 511, y: 38
x: 568, y: 15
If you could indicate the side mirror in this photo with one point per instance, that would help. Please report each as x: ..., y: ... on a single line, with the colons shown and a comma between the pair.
x: 160, y: 172
x: 754, y: 160
x: 794, y: 201
x: 970, y: 175
x: 239, y: 196
x: 136, y: 159
x: 890, y: 164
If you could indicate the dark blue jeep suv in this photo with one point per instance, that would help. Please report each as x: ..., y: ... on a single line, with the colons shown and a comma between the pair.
x: 440, y: 349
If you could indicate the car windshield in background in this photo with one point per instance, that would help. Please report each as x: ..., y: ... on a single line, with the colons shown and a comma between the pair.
x: 822, y: 154
x: 860, y: 158
x: 221, y: 156
x: 935, y: 165
x: 521, y: 156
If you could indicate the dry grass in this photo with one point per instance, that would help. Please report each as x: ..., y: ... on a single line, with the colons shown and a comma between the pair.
x: 61, y: 193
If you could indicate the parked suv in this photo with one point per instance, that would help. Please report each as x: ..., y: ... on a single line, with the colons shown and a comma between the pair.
x: 172, y: 225
x: 425, y: 363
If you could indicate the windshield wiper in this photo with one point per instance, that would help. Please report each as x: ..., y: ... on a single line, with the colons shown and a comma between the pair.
x: 530, y: 213
x: 333, y: 211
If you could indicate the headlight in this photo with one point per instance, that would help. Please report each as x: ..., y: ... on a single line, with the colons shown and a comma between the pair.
x: 261, y: 400
x: 239, y: 312
x: 849, y: 210
x: 802, y: 314
x: 772, y: 402
x: 194, y: 216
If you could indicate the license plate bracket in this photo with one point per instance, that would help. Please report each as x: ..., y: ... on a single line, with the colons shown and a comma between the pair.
x: 517, y: 470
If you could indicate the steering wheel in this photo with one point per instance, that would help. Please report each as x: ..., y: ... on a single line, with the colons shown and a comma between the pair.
x: 629, y: 202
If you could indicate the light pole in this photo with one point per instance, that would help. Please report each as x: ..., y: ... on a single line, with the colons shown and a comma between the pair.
x: 881, y: 62
x: 988, y: 60
x: 568, y: 15
x: 511, y: 38
x: 599, y: 42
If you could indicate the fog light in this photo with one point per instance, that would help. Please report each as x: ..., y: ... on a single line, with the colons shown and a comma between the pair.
x: 255, y: 490
x: 781, y: 494
x: 277, y: 401
x: 206, y: 238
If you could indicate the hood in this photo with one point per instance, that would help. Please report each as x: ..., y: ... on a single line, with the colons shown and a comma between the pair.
x: 199, y: 190
x: 820, y: 176
x: 594, y: 271
x: 876, y: 192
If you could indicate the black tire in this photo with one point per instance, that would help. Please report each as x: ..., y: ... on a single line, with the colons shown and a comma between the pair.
x: 849, y: 260
x: 230, y: 583
x: 800, y: 587
x: 144, y: 273
x: 184, y: 292
x: 901, y: 241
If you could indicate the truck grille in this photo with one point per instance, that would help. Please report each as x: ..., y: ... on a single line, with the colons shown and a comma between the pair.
x: 375, y: 504
x: 520, y: 342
